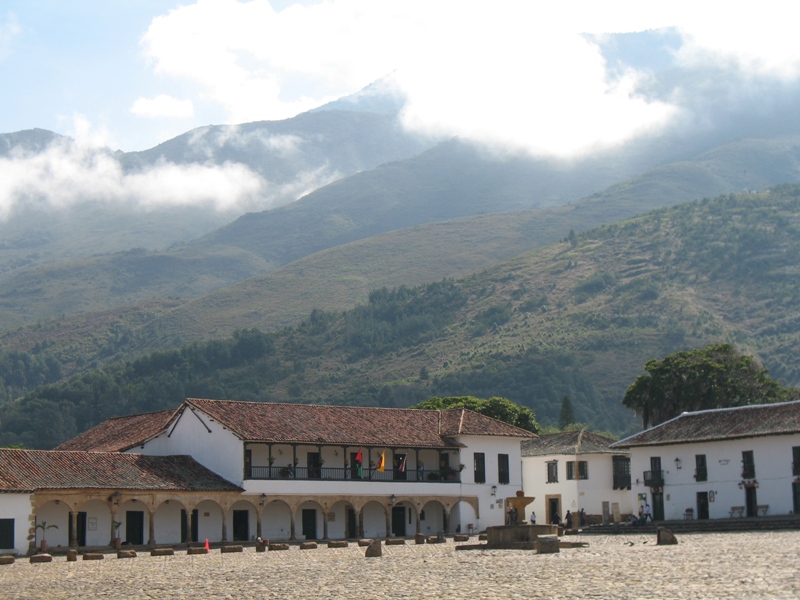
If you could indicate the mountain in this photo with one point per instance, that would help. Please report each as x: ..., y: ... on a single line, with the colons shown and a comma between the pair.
x: 577, y: 318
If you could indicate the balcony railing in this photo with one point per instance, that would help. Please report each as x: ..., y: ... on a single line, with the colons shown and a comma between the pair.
x: 654, y: 478
x: 351, y: 474
x: 701, y: 474
x: 622, y: 481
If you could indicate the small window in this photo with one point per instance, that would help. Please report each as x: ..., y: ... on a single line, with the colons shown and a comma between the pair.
x: 6, y: 534
x: 748, y: 465
x: 700, y: 468
x: 552, y: 471
x: 583, y: 470
x: 570, y: 471
x: 503, y: 471
x: 480, y: 467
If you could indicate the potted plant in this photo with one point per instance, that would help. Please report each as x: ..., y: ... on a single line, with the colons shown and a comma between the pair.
x: 117, y: 539
x: 44, y: 527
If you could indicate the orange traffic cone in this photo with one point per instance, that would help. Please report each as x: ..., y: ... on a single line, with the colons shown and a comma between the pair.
x: 207, y: 546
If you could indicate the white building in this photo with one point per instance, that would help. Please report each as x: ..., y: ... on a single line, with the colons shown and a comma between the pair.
x: 722, y: 463
x: 280, y: 471
x: 576, y: 470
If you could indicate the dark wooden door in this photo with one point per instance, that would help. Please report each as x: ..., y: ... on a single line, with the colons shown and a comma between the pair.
x: 310, y: 523
x: 658, y: 506
x: 241, y: 525
x: 796, y: 497
x: 6, y: 534
x: 134, y: 527
x: 314, y: 465
x: 189, y: 530
x: 352, y: 524
x: 751, y: 501
x: 81, y: 533
x: 399, y: 521
x: 702, y: 505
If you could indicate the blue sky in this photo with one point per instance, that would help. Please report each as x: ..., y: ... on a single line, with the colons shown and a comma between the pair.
x: 132, y: 73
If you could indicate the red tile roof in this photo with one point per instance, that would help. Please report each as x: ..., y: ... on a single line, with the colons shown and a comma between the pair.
x: 31, y: 470
x: 569, y: 442
x: 350, y: 425
x: 120, y: 433
x: 721, y: 424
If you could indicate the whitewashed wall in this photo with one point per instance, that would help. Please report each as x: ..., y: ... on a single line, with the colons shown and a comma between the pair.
x: 773, y: 469
x: 18, y: 508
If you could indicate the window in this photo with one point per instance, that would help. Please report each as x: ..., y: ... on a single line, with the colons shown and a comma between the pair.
x: 700, y: 468
x: 748, y: 465
x: 583, y: 470
x: 552, y: 471
x: 503, y: 472
x: 480, y: 467
x: 796, y: 460
x: 622, y: 472
x: 6, y: 534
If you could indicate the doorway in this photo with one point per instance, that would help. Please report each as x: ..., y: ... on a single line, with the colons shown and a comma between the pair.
x: 134, y: 527
x: 658, y: 505
x: 796, y: 496
x: 241, y: 525
x: 399, y: 521
x: 702, y: 505
x: 6, y: 534
x: 81, y: 533
x: 352, y: 527
x: 554, y: 509
x: 751, y: 500
x: 310, y: 523
x: 314, y: 465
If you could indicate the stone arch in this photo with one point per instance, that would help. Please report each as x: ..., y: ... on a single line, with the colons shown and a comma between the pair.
x: 50, y: 522
x: 210, y: 521
x: 342, y: 518
x: 306, y: 528
x: 242, y: 519
x: 277, y: 521
x: 433, y: 517
x: 464, y: 517
x: 168, y: 525
x: 375, y: 519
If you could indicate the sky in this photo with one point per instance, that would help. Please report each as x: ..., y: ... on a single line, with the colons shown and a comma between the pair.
x: 129, y: 74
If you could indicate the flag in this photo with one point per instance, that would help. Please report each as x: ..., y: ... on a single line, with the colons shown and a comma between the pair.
x: 382, y: 462
x: 403, y: 465
x: 359, y: 464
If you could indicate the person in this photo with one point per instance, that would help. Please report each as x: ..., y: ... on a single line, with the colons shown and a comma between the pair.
x: 568, y: 520
x: 582, y: 517
x: 533, y: 518
x: 648, y: 514
x: 555, y: 520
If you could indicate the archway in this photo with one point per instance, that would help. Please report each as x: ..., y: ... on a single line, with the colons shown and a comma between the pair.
x: 276, y: 521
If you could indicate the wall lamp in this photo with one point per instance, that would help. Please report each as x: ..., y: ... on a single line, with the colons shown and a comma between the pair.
x: 494, y: 490
x: 263, y: 500
x: 677, y: 463
x: 392, y: 499
x: 116, y: 496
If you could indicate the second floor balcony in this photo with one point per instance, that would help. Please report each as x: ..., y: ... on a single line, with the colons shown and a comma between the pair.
x: 654, y: 478
x: 352, y: 474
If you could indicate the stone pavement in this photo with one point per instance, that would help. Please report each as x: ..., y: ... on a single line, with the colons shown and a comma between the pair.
x: 729, y: 565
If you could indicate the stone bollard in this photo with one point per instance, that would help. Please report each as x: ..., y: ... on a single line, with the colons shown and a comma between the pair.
x: 93, y: 556
x: 41, y: 558
x: 72, y: 555
x: 7, y: 560
x: 460, y: 538
x: 274, y: 547
x: 419, y: 538
x: 395, y: 541
x: 197, y: 550
x: 364, y: 542
x: 126, y: 554
x: 547, y: 544
x: 374, y: 549
x: 308, y: 545
x: 665, y: 537
x: 436, y: 539
x: 162, y: 552
x: 338, y: 544
x: 229, y: 549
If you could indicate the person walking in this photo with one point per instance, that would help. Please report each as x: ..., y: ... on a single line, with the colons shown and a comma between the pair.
x: 648, y: 514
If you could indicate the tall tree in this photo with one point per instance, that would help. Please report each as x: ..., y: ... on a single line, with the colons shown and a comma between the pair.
x: 501, y: 409
x: 567, y: 417
x: 716, y: 376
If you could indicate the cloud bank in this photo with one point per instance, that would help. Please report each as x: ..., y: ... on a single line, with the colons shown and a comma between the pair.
x: 510, y: 73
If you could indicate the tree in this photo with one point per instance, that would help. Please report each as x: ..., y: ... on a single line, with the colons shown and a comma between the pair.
x: 716, y: 376
x: 566, y: 418
x: 501, y: 409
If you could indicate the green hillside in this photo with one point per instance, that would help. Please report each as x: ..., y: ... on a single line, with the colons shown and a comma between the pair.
x: 576, y: 318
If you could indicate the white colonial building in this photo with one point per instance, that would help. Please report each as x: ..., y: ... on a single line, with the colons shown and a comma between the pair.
x: 576, y: 470
x: 223, y: 470
x: 712, y: 464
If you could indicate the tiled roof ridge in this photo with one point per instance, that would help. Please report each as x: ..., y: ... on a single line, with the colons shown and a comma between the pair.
x: 579, y: 440
x: 341, y: 406
x: 142, y: 414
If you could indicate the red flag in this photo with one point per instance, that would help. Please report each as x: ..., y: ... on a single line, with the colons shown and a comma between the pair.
x: 403, y: 465
x: 359, y: 457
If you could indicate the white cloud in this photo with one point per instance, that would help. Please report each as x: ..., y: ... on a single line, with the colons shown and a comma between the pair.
x: 507, y: 72
x: 9, y: 30
x: 163, y: 106
x: 69, y: 173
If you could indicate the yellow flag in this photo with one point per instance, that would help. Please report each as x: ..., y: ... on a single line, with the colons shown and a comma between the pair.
x: 382, y: 462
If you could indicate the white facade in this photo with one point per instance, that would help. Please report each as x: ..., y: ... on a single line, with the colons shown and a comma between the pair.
x: 595, y: 494
x: 15, y: 523
x: 772, y: 486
